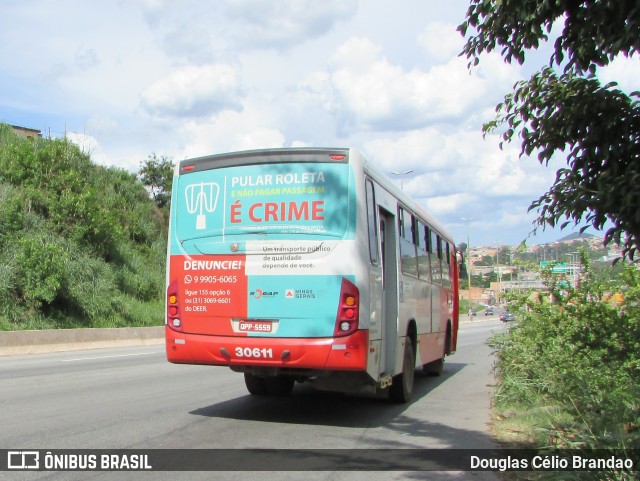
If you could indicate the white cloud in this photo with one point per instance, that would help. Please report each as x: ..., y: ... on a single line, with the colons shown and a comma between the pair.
x: 194, y: 92
x: 477, y: 163
x: 441, y: 41
x: 229, y: 131
x: 419, y: 150
x: 447, y: 204
x: 368, y: 92
x: 623, y: 70
x: 90, y: 146
x: 86, y: 143
x: 459, y: 173
x: 204, y: 32
x: 285, y: 23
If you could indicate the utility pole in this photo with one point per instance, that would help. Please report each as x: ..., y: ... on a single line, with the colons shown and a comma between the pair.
x: 498, y: 271
x: 468, y: 220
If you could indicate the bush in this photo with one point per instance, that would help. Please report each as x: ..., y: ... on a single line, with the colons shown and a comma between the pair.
x: 11, y: 211
x: 89, y: 287
x: 77, y: 240
x: 141, y: 280
x: 41, y: 261
x: 577, y: 348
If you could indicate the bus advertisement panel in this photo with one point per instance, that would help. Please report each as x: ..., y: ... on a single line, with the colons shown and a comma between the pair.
x: 252, y: 254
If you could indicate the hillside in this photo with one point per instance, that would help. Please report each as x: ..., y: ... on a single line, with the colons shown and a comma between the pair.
x: 576, y: 236
x: 80, y: 245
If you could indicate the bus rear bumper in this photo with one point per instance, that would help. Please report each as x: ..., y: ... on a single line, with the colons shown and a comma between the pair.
x: 347, y: 353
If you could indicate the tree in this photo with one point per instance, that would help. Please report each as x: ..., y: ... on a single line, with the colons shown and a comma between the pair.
x: 564, y: 109
x: 485, y: 261
x: 157, y: 175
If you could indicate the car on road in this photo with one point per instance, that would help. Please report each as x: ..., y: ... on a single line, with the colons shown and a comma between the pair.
x: 488, y: 311
x: 507, y: 316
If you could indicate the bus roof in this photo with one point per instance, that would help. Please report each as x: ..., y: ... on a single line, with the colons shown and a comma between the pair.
x: 265, y: 156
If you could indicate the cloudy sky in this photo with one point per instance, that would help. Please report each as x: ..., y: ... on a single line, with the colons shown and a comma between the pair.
x: 125, y: 79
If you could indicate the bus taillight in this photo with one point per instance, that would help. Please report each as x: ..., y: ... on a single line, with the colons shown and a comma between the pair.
x: 348, y: 309
x: 173, y: 307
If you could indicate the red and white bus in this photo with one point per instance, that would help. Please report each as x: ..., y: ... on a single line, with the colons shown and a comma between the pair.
x: 307, y: 265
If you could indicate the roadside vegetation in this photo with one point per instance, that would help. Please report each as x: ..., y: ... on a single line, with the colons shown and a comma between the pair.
x: 80, y: 245
x: 568, y: 371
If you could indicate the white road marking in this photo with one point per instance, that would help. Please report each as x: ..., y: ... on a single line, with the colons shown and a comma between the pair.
x: 107, y: 357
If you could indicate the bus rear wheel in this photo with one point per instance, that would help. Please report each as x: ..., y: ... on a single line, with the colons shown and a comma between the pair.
x: 402, y: 386
x: 436, y: 367
x: 255, y: 385
x: 279, y: 385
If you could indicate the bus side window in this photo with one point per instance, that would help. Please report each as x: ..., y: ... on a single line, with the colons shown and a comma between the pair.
x: 436, y: 260
x: 372, y: 222
x: 414, y: 230
x: 407, y: 244
x: 446, y: 263
x: 424, y: 263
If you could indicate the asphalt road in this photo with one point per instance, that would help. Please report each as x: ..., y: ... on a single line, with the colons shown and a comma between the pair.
x: 132, y: 398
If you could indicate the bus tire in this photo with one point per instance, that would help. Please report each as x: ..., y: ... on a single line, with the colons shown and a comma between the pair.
x: 255, y: 385
x: 434, y: 368
x: 279, y: 385
x: 447, y: 341
x: 402, y: 386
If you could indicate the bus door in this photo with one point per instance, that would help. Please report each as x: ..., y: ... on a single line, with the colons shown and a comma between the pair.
x: 389, y: 290
x: 436, y: 277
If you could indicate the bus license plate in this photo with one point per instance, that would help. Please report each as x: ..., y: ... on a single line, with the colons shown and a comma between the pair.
x: 254, y: 325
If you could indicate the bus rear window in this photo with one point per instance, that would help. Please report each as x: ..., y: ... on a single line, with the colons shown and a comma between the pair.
x: 275, y: 200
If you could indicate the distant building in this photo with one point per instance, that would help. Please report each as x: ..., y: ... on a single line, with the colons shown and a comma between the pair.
x: 26, y: 132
